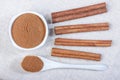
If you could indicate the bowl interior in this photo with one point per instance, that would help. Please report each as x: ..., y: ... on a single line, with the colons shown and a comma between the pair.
x: 46, y: 33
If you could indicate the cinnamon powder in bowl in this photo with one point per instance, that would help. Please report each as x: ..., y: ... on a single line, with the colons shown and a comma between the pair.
x: 29, y: 30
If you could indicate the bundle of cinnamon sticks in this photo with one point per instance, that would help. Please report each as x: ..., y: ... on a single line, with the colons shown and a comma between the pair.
x: 74, y: 14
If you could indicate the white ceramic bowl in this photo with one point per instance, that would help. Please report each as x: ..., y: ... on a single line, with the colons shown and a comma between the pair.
x: 46, y: 34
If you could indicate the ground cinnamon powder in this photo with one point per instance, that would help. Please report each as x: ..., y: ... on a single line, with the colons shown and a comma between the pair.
x: 32, y: 64
x: 28, y: 30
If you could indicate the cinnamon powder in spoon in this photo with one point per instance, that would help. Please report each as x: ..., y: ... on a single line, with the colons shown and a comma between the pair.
x: 28, y: 30
x: 32, y: 64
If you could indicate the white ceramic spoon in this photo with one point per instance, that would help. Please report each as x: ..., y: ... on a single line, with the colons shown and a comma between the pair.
x: 49, y: 64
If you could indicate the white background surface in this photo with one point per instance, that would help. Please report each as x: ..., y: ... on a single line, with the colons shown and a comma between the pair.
x: 10, y: 56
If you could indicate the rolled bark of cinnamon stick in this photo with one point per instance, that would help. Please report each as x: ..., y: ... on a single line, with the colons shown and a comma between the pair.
x: 81, y: 28
x: 79, y: 12
x: 75, y: 54
x: 81, y: 42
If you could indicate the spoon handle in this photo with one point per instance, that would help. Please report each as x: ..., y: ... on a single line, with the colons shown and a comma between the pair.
x: 49, y: 64
x: 98, y: 67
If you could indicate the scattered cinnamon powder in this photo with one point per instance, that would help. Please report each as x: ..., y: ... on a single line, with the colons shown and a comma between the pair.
x: 28, y: 30
x: 32, y: 64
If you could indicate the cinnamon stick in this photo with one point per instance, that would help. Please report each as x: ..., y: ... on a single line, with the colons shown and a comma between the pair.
x: 81, y: 42
x: 79, y: 12
x: 75, y: 54
x: 81, y: 28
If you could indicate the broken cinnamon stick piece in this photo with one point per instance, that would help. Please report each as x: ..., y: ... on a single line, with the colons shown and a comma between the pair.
x: 79, y: 12
x: 81, y: 28
x: 81, y: 42
x: 75, y: 54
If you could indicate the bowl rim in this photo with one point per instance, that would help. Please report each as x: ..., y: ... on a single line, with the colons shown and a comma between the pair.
x: 10, y: 30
